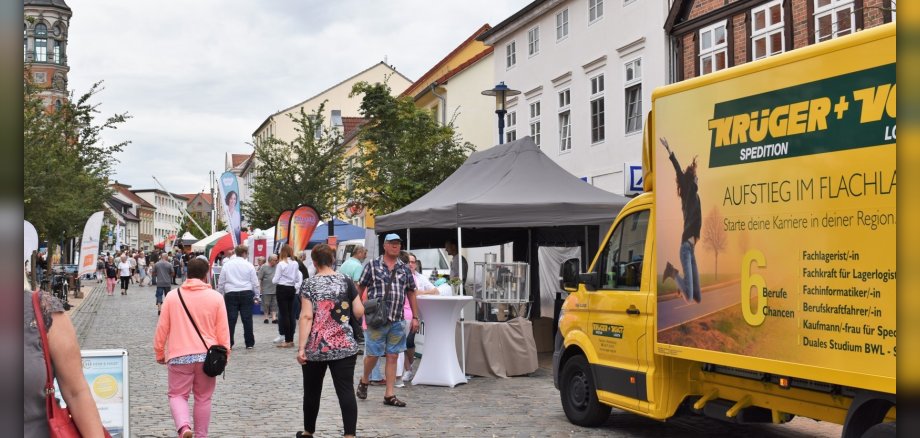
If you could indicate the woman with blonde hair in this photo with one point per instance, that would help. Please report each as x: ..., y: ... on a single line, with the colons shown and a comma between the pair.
x: 287, y: 279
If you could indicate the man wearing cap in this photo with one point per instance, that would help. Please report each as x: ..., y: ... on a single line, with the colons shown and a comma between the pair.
x: 389, y: 280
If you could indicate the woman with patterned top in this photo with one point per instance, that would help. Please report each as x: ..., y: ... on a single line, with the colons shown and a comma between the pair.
x: 328, y: 301
x: 178, y: 345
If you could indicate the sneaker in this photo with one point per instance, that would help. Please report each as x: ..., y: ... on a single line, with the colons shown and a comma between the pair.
x: 669, y: 272
x: 408, y: 375
x: 250, y: 347
x: 280, y: 338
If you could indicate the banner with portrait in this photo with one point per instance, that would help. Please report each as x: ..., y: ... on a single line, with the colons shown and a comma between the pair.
x: 229, y: 188
x: 282, y: 230
x: 303, y: 222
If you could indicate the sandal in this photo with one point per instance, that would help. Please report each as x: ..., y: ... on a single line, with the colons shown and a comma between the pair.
x: 361, y: 392
x: 393, y: 401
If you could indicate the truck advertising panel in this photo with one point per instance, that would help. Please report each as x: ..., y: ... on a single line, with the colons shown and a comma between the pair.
x: 776, y: 215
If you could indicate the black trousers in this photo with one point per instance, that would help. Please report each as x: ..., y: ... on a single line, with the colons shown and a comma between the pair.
x: 124, y: 282
x: 343, y: 378
x: 286, y: 296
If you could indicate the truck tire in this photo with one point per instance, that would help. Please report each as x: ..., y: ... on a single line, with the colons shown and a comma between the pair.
x: 882, y: 430
x: 579, y: 394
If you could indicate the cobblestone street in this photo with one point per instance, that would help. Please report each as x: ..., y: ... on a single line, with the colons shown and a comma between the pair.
x: 261, y: 394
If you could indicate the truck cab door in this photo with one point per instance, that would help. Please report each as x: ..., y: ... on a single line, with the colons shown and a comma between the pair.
x: 619, y: 312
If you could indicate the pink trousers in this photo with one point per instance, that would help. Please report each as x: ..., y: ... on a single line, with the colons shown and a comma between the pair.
x: 110, y: 285
x: 185, y: 379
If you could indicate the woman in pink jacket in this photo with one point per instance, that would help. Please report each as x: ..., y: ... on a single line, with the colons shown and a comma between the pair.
x: 186, y: 352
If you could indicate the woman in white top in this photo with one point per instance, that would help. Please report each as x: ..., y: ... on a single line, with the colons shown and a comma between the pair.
x: 287, y: 280
x: 124, y: 271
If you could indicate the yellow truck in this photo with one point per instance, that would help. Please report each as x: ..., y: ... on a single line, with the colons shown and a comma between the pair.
x: 754, y: 280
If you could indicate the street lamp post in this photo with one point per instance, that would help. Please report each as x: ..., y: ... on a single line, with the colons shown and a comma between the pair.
x: 501, y: 93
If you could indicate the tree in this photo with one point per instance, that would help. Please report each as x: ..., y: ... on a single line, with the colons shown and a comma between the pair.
x: 307, y: 170
x: 403, y: 152
x: 66, y: 167
x: 186, y: 225
x: 714, y: 237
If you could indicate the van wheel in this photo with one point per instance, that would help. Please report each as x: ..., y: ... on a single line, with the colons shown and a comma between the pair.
x: 579, y: 394
x: 881, y: 430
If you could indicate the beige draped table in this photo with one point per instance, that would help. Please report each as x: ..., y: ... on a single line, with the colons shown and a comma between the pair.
x: 500, y: 349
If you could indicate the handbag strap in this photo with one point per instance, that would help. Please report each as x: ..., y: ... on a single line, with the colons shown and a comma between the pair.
x: 43, y: 332
x: 179, y: 290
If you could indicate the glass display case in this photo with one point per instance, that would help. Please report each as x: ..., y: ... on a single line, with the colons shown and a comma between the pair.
x: 501, y: 289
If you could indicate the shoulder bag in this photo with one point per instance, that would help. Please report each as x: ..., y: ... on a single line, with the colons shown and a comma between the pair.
x: 60, y: 423
x: 215, y: 361
x: 376, y: 310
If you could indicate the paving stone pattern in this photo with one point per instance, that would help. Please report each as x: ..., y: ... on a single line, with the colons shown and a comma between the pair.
x: 262, y: 393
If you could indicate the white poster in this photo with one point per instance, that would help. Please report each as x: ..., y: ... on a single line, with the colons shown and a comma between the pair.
x: 106, y: 372
x: 89, y: 247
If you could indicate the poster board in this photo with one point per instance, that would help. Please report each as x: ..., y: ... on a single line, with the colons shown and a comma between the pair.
x: 106, y: 373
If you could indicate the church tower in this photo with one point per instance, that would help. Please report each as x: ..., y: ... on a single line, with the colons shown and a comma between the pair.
x: 44, y: 47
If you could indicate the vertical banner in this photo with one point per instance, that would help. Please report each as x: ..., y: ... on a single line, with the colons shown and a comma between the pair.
x: 229, y: 189
x: 89, y: 246
x: 282, y: 230
x: 259, y: 248
x: 303, y: 222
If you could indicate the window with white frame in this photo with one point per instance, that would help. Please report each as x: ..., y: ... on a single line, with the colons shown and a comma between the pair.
x: 562, y: 24
x: 510, y: 56
x: 596, y: 107
x: 511, y: 126
x: 535, y: 122
x: 767, y: 30
x: 833, y: 18
x: 565, y: 121
x: 633, y: 95
x: 595, y: 10
x: 41, y: 43
x: 713, y: 48
x: 533, y: 41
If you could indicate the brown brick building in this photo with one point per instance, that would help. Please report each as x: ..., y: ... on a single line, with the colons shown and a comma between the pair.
x: 711, y: 35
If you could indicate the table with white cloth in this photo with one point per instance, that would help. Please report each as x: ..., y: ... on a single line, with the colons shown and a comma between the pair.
x: 439, y: 365
x: 500, y: 349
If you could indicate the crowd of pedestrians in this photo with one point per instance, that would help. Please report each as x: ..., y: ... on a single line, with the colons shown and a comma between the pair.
x: 323, y: 307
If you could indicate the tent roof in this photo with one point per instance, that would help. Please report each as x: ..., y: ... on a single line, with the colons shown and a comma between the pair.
x: 202, y: 245
x: 343, y: 231
x: 507, y: 186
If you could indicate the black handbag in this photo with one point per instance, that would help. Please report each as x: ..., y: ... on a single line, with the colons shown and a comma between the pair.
x: 215, y: 361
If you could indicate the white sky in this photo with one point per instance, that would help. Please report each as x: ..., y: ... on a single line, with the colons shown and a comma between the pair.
x: 200, y: 76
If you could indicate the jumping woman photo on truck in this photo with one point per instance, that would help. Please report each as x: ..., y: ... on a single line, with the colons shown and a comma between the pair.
x: 688, y: 191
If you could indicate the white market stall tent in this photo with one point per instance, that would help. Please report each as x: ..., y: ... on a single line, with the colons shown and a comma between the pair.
x: 203, y: 244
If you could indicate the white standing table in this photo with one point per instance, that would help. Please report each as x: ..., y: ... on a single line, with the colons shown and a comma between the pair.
x: 439, y: 365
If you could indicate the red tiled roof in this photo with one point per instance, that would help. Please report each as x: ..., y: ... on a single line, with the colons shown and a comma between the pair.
x: 351, y: 125
x: 130, y: 195
x: 205, y: 196
x: 429, y: 75
x: 237, y: 159
x: 461, y: 67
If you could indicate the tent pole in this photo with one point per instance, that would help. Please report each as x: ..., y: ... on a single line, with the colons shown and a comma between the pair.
x: 460, y: 273
x: 408, y: 239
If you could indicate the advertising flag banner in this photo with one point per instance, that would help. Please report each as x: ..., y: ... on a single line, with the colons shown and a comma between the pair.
x: 303, y: 222
x: 282, y: 230
x: 89, y: 247
x: 119, y: 232
x: 229, y: 189
x: 775, y: 228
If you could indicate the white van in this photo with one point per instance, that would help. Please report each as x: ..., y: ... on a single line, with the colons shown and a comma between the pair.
x: 430, y: 258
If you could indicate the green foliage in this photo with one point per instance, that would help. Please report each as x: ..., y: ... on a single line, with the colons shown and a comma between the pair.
x: 185, y: 224
x: 403, y: 152
x: 66, y: 167
x: 307, y: 170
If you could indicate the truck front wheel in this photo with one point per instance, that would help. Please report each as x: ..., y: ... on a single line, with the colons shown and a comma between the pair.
x: 579, y: 394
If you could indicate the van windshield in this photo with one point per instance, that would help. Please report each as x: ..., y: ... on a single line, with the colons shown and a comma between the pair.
x: 431, y: 259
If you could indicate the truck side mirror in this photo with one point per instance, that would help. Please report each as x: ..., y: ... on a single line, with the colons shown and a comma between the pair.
x: 568, y: 274
x: 589, y: 279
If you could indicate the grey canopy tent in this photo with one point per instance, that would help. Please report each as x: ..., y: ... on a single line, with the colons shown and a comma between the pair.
x: 510, y: 192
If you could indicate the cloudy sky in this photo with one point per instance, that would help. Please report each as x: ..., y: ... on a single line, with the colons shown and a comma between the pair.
x: 199, y: 76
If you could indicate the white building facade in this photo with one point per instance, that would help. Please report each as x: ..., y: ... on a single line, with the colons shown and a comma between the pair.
x: 586, y: 70
x: 168, y: 213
